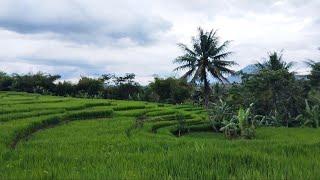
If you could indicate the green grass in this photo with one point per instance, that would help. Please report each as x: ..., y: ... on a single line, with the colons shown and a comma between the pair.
x: 86, y: 139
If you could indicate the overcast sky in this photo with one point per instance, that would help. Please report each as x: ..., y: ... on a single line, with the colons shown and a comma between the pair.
x: 92, y: 37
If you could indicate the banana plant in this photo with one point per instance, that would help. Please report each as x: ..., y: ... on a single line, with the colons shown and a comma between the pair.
x: 312, y: 115
x: 239, y: 125
x: 246, y: 129
x: 259, y: 120
x: 218, y: 114
x: 230, y: 128
x: 243, y: 116
x: 271, y: 120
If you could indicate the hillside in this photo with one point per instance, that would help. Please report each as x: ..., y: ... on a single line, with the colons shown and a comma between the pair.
x: 58, y: 137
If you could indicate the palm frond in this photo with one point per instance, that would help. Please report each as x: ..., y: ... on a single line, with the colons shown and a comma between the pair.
x: 188, y: 74
x: 226, y: 71
x: 185, y: 59
x: 197, y: 75
x: 260, y: 66
x: 214, y: 50
x: 215, y: 73
x: 223, y: 56
x: 186, y: 49
x: 185, y: 66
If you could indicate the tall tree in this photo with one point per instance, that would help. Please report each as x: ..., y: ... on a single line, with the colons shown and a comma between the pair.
x: 274, y: 63
x: 206, y: 57
x: 275, y: 91
x: 314, y: 75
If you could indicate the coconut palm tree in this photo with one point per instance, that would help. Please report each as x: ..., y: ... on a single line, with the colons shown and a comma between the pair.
x: 314, y: 75
x: 274, y: 63
x: 206, y: 57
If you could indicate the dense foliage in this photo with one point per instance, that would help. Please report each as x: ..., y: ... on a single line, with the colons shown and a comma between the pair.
x: 169, y: 90
x: 314, y: 75
x: 166, y: 90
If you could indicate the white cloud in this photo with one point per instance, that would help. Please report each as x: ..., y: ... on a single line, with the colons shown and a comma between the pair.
x: 79, y: 37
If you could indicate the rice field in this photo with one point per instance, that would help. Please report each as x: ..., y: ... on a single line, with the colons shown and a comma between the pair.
x: 46, y: 137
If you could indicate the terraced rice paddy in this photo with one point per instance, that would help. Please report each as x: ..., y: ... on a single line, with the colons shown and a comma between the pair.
x: 56, y: 137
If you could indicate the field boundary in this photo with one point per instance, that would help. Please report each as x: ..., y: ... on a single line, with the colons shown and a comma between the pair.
x: 55, y: 121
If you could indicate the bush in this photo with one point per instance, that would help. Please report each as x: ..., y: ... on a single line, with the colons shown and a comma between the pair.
x: 168, y: 90
x: 89, y: 87
x: 181, y: 126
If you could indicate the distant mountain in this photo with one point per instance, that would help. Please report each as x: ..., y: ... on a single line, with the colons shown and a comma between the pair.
x: 250, y: 69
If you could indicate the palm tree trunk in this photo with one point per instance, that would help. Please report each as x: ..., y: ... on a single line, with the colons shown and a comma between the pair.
x: 206, y: 93
x: 206, y: 100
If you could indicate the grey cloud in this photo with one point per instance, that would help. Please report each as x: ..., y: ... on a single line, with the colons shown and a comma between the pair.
x: 77, y: 63
x: 236, y: 8
x: 76, y: 23
x: 126, y: 23
x: 68, y: 68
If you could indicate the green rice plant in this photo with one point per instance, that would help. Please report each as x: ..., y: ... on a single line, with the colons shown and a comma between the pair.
x: 50, y: 148
x: 183, y: 106
x: 55, y: 120
x: 162, y: 124
x: 138, y: 124
x: 32, y: 128
x: 34, y: 102
x: 88, y: 114
x: 98, y: 104
x: 203, y: 127
x: 161, y: 113
x: 88, y: 105
x: 21, y: 99
x: 133, y: 113
x: 169, y: 117
x: 16, y: 116
x: 159, y: 125
x: 125, y: 108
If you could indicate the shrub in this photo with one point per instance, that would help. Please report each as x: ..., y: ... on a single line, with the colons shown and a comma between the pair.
x: 170, y: 90
x: 181, y: 126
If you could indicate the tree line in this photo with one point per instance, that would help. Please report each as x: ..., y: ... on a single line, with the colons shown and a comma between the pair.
x: 109, y: 86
